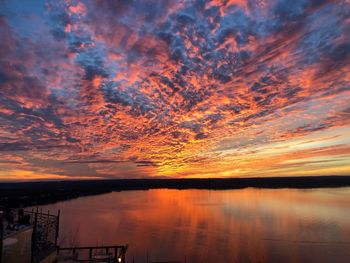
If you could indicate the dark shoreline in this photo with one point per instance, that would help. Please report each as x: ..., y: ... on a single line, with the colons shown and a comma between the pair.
x: 37, y: 193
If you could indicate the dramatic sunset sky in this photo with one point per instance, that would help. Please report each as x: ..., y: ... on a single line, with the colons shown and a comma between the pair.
x: 166, y: 88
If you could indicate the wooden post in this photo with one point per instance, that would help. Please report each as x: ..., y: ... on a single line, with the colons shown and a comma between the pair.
x: 90, y: 254
x: 124, y: 252
x: 47, y: 226
x: 57, y: 225
x: 126, y: 248
x: 34, y: 236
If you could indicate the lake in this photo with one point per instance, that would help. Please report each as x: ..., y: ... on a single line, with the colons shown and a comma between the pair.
x: 247, y: 225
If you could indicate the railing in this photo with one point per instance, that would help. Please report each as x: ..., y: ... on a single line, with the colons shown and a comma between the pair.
x: 45, y: 237
x: 45, y: 230
x: 45, y: 233
x: 108, y: 254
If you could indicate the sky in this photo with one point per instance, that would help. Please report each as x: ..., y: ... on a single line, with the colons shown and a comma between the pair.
x: 174, y: 89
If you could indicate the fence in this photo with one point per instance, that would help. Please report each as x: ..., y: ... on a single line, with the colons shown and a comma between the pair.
x: 45, y: 236
x: 108, y: 254
x: 45, y: 233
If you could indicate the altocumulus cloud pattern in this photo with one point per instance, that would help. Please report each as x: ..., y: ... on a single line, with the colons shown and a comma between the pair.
x: 150, y: 88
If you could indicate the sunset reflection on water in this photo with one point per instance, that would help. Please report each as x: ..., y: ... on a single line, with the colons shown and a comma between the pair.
x: 248, y: 225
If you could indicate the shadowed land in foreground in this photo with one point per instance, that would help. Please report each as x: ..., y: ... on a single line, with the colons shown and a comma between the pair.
x: 35, y: 193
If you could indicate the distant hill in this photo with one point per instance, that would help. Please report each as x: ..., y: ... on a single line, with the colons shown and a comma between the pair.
x: 35, y: 193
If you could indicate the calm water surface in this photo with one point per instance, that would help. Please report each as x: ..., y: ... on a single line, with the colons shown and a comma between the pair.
x: 249, y: 225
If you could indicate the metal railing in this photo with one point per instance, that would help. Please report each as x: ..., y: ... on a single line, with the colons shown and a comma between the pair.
x: 45, y: 233
x: 108, y: 254
x: 45, y: 240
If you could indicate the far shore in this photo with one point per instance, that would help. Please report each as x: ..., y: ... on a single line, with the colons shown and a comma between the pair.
x: 37, y: 193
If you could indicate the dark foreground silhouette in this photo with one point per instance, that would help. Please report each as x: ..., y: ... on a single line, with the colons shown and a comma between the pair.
x: 35, y: 193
